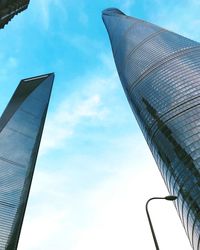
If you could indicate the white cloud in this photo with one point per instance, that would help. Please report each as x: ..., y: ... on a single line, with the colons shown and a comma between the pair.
x: 119, y: 219
x: 83, y: 43
x: 127, y: 5
x: 180, y: 17
x: 83, y: 107
x: 83, y: 18
x: 44, y: 7
x: 69, y: 115
x: 96, y: 102
x: 10, y: 64
x: 107, y: 215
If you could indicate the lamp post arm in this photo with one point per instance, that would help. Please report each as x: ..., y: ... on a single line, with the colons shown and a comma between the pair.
x: 169, y: 198
x: 150, y: 223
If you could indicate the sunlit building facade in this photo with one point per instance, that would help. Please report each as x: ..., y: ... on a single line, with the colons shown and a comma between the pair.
x: 160, y: 74
x: 10, y: 8
x: 21, y: 127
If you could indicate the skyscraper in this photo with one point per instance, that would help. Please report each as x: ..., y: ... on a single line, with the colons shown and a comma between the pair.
x: 160, y: 74
x: 10, y: 8
x: 21, y: 127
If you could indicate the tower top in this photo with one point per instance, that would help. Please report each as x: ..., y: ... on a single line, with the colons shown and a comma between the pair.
x: 111, y: 11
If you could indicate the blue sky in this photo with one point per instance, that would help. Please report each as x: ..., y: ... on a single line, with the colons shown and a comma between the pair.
x: 94, y: 172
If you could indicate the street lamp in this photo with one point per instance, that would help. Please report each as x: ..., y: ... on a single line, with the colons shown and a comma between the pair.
x: 169, y: 198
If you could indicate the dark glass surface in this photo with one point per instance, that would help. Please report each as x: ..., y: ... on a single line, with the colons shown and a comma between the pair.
x: 21, y: 127
x: 10, y: 8
x: 160, y: 73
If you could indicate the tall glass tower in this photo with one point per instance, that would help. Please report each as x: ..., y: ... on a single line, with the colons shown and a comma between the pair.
x: 160, y: 74
x: 21, y: 127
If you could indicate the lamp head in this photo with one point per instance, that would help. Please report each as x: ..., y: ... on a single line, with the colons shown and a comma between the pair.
x: 171, y: 198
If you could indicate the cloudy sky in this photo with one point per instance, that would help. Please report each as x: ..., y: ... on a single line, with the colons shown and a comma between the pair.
x: 95, y: 171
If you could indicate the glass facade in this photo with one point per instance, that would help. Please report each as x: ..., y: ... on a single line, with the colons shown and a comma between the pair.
x: 21, y: 127
x: 160, y: 74
x: 10, y: 8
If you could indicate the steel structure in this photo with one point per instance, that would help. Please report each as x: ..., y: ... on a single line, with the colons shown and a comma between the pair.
x: 160, y: 74
x: 21, y: 127
x: 10, y: 8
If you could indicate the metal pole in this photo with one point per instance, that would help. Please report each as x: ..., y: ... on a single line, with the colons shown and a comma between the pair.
x: 170, y: 198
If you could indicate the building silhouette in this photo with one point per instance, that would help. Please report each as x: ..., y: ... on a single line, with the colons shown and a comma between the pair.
x: 10, y: 8
x: 21, y: 127
x: 160, y: 74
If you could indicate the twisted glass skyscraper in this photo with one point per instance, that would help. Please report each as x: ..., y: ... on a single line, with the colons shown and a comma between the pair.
x: 160, y: 73
x: 21, y: 127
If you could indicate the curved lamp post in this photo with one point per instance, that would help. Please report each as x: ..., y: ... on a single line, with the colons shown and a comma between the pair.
x: 169, y: 198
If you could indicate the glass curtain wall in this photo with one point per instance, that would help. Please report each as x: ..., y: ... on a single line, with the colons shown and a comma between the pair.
x: 160, y: 74
x: 21, y: 127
